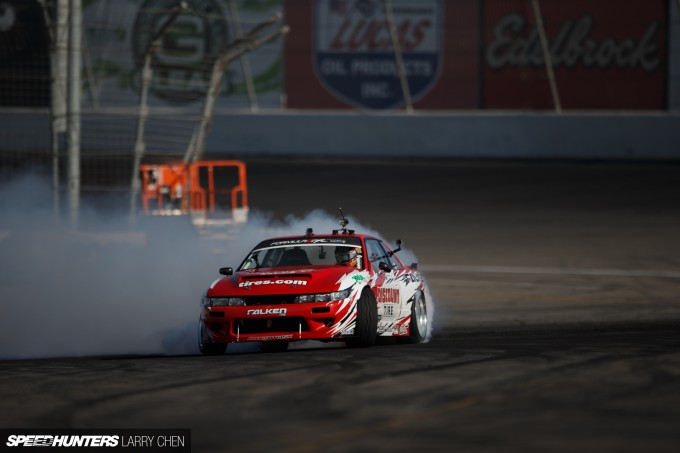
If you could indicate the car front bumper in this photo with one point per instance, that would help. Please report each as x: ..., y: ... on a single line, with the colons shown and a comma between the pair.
x: 290, y: 322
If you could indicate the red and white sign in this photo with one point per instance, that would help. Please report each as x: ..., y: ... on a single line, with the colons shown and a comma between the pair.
x: 339, y: 54
x: 477, y: 54
x: 605, y: 55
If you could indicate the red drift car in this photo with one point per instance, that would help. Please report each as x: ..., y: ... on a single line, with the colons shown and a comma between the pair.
x: 340, y: 287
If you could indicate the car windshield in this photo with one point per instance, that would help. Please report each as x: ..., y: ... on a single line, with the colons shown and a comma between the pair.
x: 304, y: 255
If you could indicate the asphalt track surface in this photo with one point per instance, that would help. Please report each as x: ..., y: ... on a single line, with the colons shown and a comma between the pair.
x: 557, y: 293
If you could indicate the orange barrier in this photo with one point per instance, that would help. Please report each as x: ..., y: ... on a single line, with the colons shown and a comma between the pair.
x: 180, y: 189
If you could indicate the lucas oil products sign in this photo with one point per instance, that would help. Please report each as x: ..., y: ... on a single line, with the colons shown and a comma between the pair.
x: 354, y: 56
x: 340, y: 53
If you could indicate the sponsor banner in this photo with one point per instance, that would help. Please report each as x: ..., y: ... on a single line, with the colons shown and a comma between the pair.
x: 271, y: 282
x: 605, y: 55
x: 117, y: 35
x: 387, y: 295
x: 183, y: 62
x: 354, y: 57
x: 151, y: 440
x: 270, y: 338
x: 309, y: 241
x: 339, y: 54
x: 267, y: 311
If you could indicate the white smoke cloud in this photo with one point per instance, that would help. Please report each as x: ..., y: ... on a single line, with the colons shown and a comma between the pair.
x: 105, y: 288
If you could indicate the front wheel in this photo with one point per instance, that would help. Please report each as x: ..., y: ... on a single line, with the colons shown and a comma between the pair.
x: 366, y: 328
x: 205, y: 346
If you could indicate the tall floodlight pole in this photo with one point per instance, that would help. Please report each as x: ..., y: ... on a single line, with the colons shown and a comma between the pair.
x: 58, y: 35
x: 73, y: 107
x: 59, y: 97
x: 401, y: 69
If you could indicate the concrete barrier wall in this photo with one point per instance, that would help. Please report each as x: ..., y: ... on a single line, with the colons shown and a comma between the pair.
x: 499, y: 136
x: 652, y: 136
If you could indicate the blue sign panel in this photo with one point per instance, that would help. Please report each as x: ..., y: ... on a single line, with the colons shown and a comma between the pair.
x: 354, y: 57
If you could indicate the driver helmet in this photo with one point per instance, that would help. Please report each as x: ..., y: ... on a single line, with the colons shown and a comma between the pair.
x: 348, y: 256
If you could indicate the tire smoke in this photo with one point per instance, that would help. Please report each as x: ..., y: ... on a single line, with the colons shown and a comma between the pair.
x: 106, y: 288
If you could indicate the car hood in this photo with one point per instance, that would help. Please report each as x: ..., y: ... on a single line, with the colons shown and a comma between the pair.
x: 289, y: 280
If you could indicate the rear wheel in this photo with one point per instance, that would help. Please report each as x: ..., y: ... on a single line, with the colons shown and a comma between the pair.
x: 367, y: 321
x: 419, y: 320
x: 205, y: 346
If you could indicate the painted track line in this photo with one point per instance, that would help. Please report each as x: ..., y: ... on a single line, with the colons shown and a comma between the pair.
x: 475, y: 283
x: 646, y: 273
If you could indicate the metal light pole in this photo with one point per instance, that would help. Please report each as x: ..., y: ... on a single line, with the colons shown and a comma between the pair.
x: 59, y: 96
x: 389, y: 14
x: 73, y: 107
x: 547, y: 58
x: 58, y: 36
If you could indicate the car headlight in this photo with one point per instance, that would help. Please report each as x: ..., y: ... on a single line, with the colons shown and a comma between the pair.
x: 222, y: 301
x: 324, y: 297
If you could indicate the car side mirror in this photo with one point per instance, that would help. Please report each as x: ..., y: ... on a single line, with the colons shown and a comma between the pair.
x: 398, y: 249
x: 384, y: 267
x: 226, y: 271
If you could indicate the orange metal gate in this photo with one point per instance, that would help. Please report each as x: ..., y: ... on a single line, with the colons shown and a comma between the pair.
x: 201, y: 189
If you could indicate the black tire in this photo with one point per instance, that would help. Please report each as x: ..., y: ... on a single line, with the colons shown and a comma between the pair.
x: 206, y: 347
x: 419, y: 322
x: 274, y: 346
x: 367, y: 321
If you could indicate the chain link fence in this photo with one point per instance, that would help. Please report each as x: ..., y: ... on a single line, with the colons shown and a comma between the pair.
x: 116, y: 37
x: 471, y: 55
